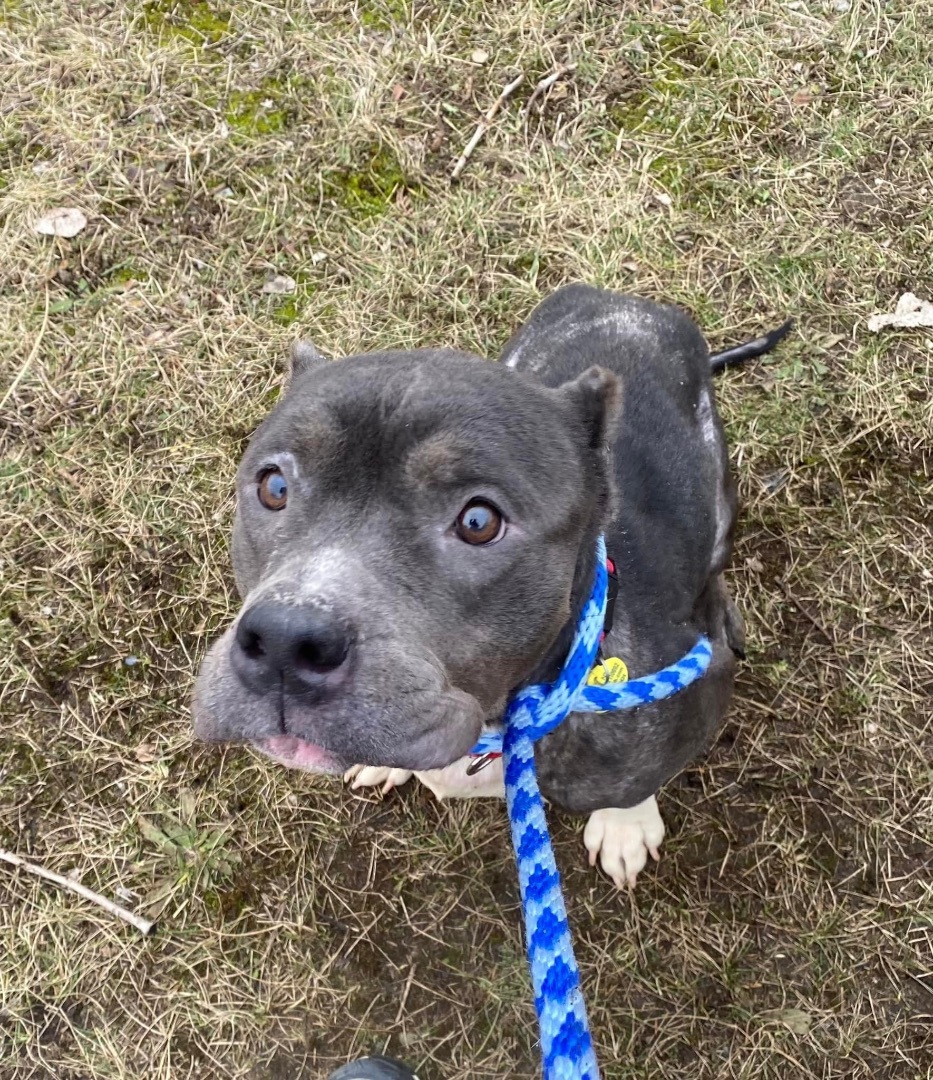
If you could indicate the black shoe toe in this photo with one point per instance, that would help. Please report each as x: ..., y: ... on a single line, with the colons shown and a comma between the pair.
x: 374, y: 1068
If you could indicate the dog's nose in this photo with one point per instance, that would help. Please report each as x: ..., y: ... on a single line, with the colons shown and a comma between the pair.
x: 290, y: 644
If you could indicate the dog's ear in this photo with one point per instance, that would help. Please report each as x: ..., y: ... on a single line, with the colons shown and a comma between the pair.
x: 304, y: 356
x: 596, y: 398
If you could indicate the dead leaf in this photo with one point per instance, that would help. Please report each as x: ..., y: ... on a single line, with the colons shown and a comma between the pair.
x: 798, y: 1020
x: 755, y: 564
x: 155, y: 835
x: 398, y: 92
x: 280, y: 284
x: 156, y: 900
x: 64, y: 221
x: 776, y: 481
x: 187, y: 806
x: 832, y: 340
x: 145, y: 752
x: 909, y: 312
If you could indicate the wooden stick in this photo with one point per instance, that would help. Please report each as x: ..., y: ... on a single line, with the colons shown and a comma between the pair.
x: 144, y: 926
x: 546, y: 83
x: 484, y: 125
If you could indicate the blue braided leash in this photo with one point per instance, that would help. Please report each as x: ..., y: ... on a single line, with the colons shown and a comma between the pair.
x: 566, y: 1045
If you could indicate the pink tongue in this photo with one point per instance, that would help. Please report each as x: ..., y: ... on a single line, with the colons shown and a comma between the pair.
x: 297, y: 752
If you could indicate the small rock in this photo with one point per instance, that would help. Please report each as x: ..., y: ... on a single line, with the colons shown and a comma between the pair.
x: 146, y: 753
x: 479, y: 56
x: 318, y: 257
x: 131, y: 661
x: 280, y: 284
x: 64, y: 221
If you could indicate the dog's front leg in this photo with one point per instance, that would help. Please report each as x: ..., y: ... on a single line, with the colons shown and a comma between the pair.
x: 455, y: 782
x: 621, y: 839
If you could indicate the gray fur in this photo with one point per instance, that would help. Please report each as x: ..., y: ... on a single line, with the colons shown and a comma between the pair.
x: 304, y: 357
x: 382, y: 451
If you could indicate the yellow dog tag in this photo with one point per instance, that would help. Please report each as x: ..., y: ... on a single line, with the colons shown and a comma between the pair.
x: 611, y: 670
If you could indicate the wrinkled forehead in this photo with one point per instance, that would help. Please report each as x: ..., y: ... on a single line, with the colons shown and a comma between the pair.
x: 439, y: 420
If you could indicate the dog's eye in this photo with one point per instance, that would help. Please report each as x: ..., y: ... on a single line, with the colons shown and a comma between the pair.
x: 479, y: 523
x: 273, y: 490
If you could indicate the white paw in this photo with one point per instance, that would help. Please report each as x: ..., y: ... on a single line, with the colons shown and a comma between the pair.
x: 360, y: 776
x: 623, y: 840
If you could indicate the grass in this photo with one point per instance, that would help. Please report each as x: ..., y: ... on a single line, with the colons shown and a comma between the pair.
x: 747, y: 160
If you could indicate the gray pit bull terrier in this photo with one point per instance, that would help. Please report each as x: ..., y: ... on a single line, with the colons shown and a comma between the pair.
x: 415, y: 537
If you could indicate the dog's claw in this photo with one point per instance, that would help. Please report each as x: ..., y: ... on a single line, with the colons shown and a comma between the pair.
x: 622, y: 840
x: 360, y: 776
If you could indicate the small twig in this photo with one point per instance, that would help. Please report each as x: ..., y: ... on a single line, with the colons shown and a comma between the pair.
x: 546, y: 83
x: 405, y: 992
x: 33, y: 352
x: 814, y: 622
x: 484, y: 125
x: 144, y: 926
x: 921, y: 983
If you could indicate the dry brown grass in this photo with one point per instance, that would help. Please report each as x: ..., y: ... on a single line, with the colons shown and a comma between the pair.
x: 789, y: 929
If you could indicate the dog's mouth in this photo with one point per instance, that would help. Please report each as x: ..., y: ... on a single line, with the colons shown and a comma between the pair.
x: 298, y: 754
x: 400, y: 725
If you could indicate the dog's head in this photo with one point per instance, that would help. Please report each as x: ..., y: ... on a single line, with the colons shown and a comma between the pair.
x: 412, y: 531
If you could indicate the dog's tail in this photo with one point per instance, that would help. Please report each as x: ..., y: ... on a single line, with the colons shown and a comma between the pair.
x: 740, y: 353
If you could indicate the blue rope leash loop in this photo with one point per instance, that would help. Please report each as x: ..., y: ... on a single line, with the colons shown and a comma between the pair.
x: 566, y: 1044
